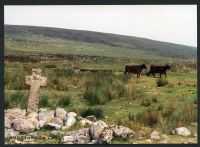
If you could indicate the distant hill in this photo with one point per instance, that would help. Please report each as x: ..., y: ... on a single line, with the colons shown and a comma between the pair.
x: 66, y: 41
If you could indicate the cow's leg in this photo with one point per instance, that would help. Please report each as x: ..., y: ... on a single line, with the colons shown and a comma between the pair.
x: 154, y: 75
x: 165, y: 74
x: 125, y: 72
x: 160, y: 75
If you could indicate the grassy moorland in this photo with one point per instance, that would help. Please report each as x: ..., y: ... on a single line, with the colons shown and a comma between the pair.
x: 139, y: 104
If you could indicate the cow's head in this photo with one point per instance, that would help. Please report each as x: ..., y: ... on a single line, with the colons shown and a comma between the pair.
x: 167, y: 66
x: 143, y: 66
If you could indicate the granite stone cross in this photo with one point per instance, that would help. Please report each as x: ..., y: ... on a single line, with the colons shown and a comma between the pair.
x: 35, y: 81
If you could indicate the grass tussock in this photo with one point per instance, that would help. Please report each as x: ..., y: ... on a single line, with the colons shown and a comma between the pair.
x: 162, y: 82
x: 64, y: 101
x: 44, y: 101
x: 97, y: 112
x: 16, y: 99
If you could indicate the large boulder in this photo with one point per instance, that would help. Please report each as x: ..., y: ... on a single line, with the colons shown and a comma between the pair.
x: 60, y: 113
x: 55, y: 120
x: 121, y: 131
x: 182, y: 131
x: 23, y: 125
x: 34, y: 121
x: 69, y: 121
x: 15, y: 113
x: 7, y: 123
x: 97, y: 128
x: 106, y: 136
x: 81, y: 136
x: 33, y: 115
x: 10, y: 133
x: 46, y: 115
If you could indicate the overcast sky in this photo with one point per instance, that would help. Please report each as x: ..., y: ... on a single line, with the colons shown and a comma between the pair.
x: 170, y: 23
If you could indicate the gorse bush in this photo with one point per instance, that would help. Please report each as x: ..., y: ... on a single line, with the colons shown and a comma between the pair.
x: 64, y: 101
x: 161, y: 82
x: 97, y: 112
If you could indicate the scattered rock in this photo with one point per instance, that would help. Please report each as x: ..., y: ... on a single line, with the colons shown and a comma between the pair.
x: 139, y: 134
x: 106, y: 136
x: 69, y: 121
x: 91, y: 118
x: 10, y: 133
x: 121, y: 131
x: 15, y: 113
x: 148, y: 141
x: 7, y: 123
x: 23, y: 125
x: 182, y: 131
x: 71, y: 114
x: 60, y: 113
x: 97, y: 128
x: 53, y: 126
x: 155, y: 135
x: 164, y: 136
x: 81, y: 136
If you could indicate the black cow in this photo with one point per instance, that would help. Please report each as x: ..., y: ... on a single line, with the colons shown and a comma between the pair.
x: 158, y: 69
x: 137, y: 69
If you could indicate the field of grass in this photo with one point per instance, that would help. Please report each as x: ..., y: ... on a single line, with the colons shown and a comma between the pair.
x: 118, y: 99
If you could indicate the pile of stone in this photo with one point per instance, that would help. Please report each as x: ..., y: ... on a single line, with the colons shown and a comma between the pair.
x: 93, y: 131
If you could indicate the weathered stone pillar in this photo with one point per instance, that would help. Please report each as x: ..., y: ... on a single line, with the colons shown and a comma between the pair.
x: 35, y: 81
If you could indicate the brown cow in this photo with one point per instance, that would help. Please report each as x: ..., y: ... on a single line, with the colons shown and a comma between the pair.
x: 137, y: 69
x: 158, y: 69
